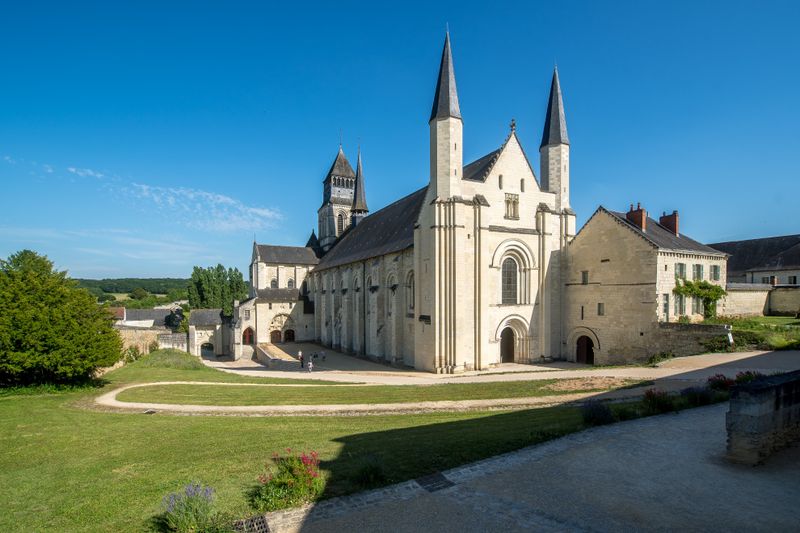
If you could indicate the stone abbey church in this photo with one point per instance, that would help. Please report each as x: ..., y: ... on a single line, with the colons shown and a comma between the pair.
x: 468, y: 272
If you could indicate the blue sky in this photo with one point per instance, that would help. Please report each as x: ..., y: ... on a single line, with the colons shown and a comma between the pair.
x: 142, y: 138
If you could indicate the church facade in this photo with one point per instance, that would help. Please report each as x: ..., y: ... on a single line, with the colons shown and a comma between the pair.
x: 463, y: 274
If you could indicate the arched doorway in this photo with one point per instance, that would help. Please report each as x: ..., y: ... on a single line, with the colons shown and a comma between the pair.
x: 207, y: 349
x: 247, y: 336
x: 288, y: 336
x: 584, y: 350
x: 275, y: 337
x: 507, y: 341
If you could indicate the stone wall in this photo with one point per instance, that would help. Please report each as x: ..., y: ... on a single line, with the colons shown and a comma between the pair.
x: 784, y: 300
x: 140, y: 338
x: 686, y: 339
x: 175, y: 341
x: 745, y: 299
x: 764, y: 416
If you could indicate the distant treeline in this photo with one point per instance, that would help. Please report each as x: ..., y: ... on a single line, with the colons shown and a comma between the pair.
x: 127, y: 285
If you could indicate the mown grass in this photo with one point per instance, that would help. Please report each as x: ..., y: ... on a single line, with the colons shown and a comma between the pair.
x: 761, y: 333
x: 174, y: 365
x: 370, y: 394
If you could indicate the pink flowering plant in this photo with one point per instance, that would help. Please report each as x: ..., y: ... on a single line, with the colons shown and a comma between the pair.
x: 290, y: 480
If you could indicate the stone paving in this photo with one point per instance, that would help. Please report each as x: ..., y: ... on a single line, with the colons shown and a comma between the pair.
x: 663, y: 473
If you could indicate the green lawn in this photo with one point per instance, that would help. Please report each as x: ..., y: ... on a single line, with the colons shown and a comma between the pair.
x: 321, y: 395
x: 778, y: 320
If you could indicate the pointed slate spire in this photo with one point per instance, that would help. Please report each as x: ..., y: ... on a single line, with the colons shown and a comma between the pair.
x: 445, y: 101
x: 555, y: 125
x: 313, y: 243
x: 341, y: 166
x: 359, y: 195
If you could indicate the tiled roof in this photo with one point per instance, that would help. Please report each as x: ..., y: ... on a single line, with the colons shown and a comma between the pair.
x: 341, y: 166
x: 389, y: 230
x: 287, y: 255
x: 158, y: 316
x: 663, y: 238
x: 205, y: 317
x: 277, y: 295
x: 768, y: 252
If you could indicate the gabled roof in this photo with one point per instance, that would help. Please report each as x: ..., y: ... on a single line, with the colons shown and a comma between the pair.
x: 359, y: 196
x: 480, y: 169
x: 158, y: 316
x: 313, y: 243
x: 555, y: 124
x: 445, y: 100
x: 752, y: 254
x: 341, y: 166
x: 286, y: 255
x: 389, y: 230
x: 661, y: 237
x: 205, y: 317
x: 277, y: 295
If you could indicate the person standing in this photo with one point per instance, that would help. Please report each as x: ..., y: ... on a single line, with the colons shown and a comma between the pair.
x: 300, y: 356
x: 310, y: 365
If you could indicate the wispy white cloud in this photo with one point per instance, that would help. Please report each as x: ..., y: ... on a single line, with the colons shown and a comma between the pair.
x: 85, y: 172
x: 47, y: 168
x: 208, y: 211
x: 10, y: 160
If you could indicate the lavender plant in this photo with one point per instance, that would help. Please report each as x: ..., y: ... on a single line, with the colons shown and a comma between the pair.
x: 192, y: 511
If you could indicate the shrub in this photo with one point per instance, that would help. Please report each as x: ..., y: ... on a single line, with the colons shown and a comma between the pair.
x: 720, y: 382
x: 627, y: 412
x: 657, y: 402
x: 747, y: 376
x: 131, y: 354
x: 291, y: 480
x: 596, y: 413
x: 683, y: 319
x: 659, y: 357
x: 370, y: 473
x: 698, y: 396
x: 152, y: 347
x: 192, y: 511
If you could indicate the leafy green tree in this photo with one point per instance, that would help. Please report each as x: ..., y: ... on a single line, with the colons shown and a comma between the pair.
x: 213, y: 287
x: 707, y: 292
x: 51, y: 331
x: 139, y: 294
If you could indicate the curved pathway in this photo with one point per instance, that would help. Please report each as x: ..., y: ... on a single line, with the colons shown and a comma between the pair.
x: 109, y: 399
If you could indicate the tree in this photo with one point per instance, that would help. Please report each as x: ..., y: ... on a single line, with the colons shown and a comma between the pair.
x: 707, y: 292
x: 139, y: 294
x: 51, y: 331
x: 216, y: 287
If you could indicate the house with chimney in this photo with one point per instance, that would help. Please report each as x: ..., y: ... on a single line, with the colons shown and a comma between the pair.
x: 622, y: 268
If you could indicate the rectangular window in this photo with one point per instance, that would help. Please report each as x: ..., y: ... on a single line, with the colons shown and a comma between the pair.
x: 697, y: 306
x: 792, y: 280
x: 512, y: 206
x: 765, y: 279
x: 581, y: 312
x: 665, y: 303
x: 680, y: 270
x: 715, y: 272
x: 601, y: 309
x: 585, y: 277
x: 697, y: 272
x: 247, y: 314
x: 680, y: 305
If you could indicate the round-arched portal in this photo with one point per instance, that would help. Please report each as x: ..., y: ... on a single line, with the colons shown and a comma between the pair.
x: 288, y: 335
x: 207, y: 349
x: 275, y: 336
x: 507, y: 342
x: 584, y: 350
x: 247, y: 336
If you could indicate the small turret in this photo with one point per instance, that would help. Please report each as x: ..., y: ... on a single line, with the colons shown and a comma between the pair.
x: 554, y: 150
x: 446, y: 131
x: 359, y: 208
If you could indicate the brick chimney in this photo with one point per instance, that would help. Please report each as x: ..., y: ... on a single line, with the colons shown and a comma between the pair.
x: 638, y: 217
x: 670, y: 221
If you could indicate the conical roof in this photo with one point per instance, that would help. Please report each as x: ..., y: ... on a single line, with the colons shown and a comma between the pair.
x: 445, y: 101
x: 555, y: 125
x: 359, y: 194
x: 341, y: 166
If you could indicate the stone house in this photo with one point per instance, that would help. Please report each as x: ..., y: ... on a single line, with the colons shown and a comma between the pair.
x: 622, y: 269
x: 209, y: 332
x: 771, y: 260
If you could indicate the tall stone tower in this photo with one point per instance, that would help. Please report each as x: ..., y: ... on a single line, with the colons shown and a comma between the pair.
x: 337, y: 201
x: 446, y: 131
x: 554, y: 150
x: 359, y: 208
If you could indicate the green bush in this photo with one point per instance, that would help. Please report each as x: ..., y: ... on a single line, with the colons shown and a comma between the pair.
x: 170, y: 358
x: 657, y: 402
x: 192, y: 511
x: 659, y: 357
x: 698, y: 396
x: 627, y: 412
x: 51, y: 331
x: 131, y: 354
x: 290, y: 481
x: 596, y: 413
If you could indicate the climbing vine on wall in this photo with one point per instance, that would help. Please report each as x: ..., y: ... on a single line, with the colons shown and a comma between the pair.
x: 707, y: 292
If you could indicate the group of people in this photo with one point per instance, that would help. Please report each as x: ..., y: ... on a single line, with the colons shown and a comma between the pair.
x: 311, y: 358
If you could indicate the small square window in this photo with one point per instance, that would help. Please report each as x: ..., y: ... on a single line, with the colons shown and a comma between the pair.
x: 247, y: 314
x: 792, y: 280
x: 601, y: 309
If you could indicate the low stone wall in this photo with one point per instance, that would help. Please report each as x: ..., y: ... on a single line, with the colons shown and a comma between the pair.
x: 176, y: 341
x: 784, y: 300
x: 745, y: 299
x: 141, y: 338
x: 687, y: 339
x: 764, y: 416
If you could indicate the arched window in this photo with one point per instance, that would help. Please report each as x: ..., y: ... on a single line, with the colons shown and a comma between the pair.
x: 410, y: 292
x: 247, y: 336
x: 274, y: 283
x: 509, y: 281
x: 340, y: 224
x: 290, y: 283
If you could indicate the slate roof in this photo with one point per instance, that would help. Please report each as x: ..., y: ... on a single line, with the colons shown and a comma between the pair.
x: 767, y: 253
x: 277, y: 295
x: 287, y: 255
x: 341, y: 166
x: 158, y: 316
x: 445, y: 100
x: 205, y: 317
x: 313, y: 243
x: 359, y: 196
x: 663, y: 238
x: 555, y: 124
x: 480, y: 168
x: 389, y: 230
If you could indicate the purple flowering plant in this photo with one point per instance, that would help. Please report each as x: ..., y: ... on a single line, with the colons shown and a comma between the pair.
x: 191, y: 510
